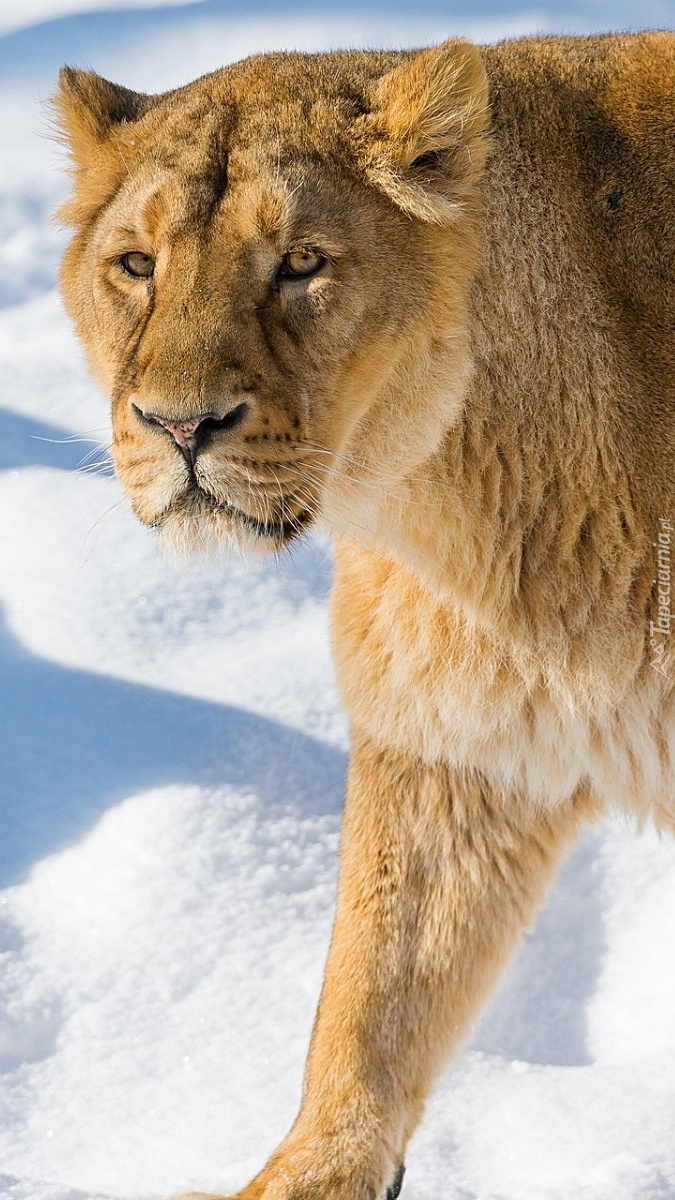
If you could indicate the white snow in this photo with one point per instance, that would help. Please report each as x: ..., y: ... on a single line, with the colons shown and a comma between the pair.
x: 172, y: 758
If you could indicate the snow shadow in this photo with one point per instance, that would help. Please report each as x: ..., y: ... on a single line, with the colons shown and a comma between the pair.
x: 73, y: 743
x: 25, y: 442
x: 538, y: 1014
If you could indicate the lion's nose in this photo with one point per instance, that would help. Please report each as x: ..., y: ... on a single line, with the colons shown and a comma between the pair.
x: 190, y: 433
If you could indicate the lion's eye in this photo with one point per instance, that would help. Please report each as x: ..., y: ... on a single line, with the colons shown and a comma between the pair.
x: 301, y: 264
x: 139, y: 266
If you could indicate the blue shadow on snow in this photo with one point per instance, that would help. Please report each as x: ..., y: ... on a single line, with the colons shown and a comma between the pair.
x: 73, y: 743
x: 26, y: 442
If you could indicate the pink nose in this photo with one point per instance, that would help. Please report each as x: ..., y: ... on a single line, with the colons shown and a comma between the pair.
x: 184, y: 433
x: 190, y: 434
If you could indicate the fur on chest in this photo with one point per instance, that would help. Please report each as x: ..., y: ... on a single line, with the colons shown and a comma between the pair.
x: 418, y: 677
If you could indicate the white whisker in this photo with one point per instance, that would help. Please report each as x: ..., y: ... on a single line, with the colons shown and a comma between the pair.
x: 84, y: 558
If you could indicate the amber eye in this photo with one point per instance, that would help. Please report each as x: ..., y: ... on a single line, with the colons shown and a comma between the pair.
x: 301, y: 264
x: 139, y: 266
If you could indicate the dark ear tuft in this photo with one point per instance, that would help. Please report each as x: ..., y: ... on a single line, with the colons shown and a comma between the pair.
x: 108, y: 103
x: 89, y: 112
x: 88, y: 107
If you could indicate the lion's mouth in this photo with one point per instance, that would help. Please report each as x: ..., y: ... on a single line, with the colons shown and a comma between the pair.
x: 278, y: 531
x: 283, y: 531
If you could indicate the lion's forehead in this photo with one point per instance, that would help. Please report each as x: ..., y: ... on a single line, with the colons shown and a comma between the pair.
x: 232, y: 192
x: 277, y: 105
x: 270, y: 123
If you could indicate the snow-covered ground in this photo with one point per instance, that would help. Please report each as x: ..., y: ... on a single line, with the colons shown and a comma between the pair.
x: 172, y: 757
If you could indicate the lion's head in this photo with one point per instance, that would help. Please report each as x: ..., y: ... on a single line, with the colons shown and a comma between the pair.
x: 269, y: 273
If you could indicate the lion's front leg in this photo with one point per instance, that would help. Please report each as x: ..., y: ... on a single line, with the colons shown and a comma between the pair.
x: 438, y: 878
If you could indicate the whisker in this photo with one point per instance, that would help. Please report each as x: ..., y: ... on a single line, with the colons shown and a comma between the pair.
x: 282, y: 514
x: 360, y: 465
x: 84, y: 557
x: 346, y: 524
x: 441, y: 489
x: 347, y: 517
x: 378, y: 486
x: 69, y: 439
x: 433, y: 502
x: 99, y: 448
x: 104, y: 468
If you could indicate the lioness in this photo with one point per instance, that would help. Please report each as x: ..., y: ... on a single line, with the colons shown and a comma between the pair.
x: 427, y: 299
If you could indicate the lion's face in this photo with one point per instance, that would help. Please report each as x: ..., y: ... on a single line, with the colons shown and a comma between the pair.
x: 255, y: 256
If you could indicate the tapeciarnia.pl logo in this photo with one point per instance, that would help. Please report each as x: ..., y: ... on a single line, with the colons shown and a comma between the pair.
x: 659, y: 630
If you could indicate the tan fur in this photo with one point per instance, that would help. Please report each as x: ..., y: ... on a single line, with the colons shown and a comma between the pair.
x: 476, y: 395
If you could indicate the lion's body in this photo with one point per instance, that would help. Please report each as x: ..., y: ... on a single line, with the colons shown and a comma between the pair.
x: 527, y: 654
x: 470, y: 377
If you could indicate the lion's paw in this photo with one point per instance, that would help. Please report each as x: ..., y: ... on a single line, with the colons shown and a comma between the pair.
x: 394, y: 1191
x: 276, y: 1188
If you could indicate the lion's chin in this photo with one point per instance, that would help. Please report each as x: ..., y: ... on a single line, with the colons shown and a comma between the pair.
x: 204, y: 527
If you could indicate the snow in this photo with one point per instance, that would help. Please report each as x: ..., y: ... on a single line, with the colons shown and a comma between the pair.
x: 173, y: 757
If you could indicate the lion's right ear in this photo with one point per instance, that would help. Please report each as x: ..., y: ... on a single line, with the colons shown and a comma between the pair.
x: 88, y: 108
x: 90, y: 111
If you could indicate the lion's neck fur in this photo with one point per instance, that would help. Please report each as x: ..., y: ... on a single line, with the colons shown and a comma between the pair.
x: 527, y: 517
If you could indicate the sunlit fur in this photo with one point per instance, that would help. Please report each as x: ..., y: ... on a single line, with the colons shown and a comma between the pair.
x: 476, y: 395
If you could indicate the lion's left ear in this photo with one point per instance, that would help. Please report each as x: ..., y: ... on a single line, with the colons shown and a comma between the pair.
x: 426, y: 141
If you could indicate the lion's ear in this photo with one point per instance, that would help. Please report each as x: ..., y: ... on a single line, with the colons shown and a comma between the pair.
x: 88, y: 108
x: 89, y: 112
x: 428, y: 142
